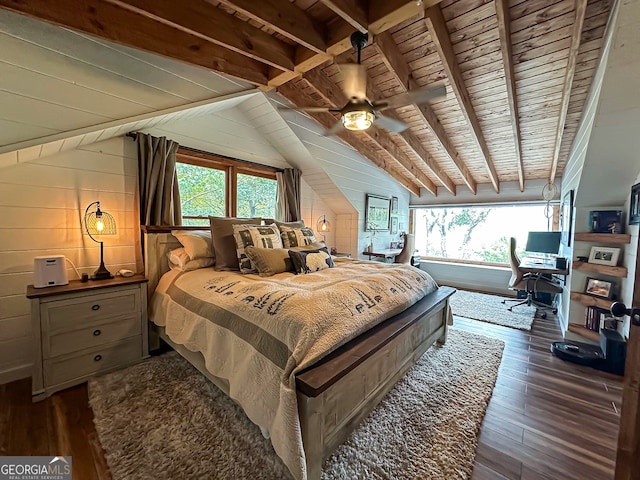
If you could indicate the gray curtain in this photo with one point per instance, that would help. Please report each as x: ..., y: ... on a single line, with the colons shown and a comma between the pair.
x: 158, y: 181
x: 288, y: 198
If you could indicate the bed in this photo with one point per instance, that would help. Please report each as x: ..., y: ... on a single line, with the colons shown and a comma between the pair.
x: 328, y: 384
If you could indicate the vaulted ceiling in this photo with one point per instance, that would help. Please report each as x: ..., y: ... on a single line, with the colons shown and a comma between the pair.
x: 517, y: 72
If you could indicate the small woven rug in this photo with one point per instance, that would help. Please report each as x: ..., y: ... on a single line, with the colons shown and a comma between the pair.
x: 162, y: 419
x: 489, y: 308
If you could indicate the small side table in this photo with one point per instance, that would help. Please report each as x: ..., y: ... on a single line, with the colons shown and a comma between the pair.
x: 85, y: 328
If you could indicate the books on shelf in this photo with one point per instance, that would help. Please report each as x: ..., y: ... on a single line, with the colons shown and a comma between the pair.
x: 597, y: 318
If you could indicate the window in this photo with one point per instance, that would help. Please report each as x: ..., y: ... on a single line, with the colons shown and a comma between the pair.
x: 478, y: 234
x: 220, y: 186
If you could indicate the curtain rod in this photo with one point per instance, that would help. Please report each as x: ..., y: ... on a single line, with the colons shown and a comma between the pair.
x: 133, y: 135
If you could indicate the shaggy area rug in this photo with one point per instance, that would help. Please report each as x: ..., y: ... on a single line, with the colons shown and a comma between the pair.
x: 162, y: 419
x: 489, y: 308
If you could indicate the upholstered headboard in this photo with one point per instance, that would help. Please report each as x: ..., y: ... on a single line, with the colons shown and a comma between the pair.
x: 158, y: 241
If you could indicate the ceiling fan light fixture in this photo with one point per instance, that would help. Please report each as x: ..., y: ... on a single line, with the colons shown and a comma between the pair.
x: 357, y: 119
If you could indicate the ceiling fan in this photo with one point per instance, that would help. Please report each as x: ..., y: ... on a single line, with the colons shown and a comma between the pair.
x: 359, y: 113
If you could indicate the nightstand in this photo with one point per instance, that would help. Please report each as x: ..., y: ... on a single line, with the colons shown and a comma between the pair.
x: 86, y: 328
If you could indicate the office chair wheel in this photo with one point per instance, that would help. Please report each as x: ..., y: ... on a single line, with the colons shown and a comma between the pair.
x: 543, y: 315
x: 555, y: 310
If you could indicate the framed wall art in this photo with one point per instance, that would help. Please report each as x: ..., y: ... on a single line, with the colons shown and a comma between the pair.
x: 634, y: 205
x: 377, y: 213
x: 566, y: 218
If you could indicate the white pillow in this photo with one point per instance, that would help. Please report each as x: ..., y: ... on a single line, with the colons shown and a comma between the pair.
x: 179, y: 260
x: 179, y: 256
x: 197, y: 244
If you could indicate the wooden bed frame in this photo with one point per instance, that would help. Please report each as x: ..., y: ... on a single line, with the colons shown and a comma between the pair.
x: 339, y: 391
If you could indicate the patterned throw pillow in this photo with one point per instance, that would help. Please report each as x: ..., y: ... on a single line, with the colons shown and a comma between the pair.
x: 297, y: 237
x: 269, y: 261
x: 309, y: 261
x: 263, y: 236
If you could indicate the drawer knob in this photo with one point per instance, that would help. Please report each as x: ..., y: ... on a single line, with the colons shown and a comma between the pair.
x: 95, y: 307
x: 96, y: 333
x: 97, y: 358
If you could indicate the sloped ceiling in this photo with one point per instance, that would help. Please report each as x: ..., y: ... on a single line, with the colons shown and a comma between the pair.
x: 517, y: 71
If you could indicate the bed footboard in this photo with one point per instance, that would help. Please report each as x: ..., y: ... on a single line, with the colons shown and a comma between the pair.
x: 341, y: 390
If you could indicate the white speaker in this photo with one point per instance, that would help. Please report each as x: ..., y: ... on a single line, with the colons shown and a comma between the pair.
x: 49, y: 271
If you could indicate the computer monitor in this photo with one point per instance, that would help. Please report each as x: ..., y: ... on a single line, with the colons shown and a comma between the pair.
x: 543, y: 242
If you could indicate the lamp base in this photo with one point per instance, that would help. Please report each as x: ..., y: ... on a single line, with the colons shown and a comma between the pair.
x: 101, y: 273
x: 102, y: 276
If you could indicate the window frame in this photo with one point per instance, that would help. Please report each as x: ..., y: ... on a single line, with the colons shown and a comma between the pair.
x: 232, y: 167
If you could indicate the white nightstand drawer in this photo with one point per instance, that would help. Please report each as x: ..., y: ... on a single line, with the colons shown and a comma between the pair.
x: 92, y: 336
x: 67, y: 314
x: 65, y: 368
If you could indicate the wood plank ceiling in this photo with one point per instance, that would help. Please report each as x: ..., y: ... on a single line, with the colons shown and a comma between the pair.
x: 517, y: 72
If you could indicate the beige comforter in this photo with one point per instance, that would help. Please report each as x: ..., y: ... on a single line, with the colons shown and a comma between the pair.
x: 255, y: 333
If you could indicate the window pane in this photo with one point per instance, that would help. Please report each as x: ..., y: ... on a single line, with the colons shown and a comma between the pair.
x: 202, y: 192
x: 476, y: 233
x: 256, y: 196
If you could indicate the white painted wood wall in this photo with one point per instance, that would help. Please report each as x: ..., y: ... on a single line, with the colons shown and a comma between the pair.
x: 41, y: 205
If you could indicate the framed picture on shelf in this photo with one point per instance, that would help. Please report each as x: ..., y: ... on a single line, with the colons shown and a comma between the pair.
x: 566, y: 218
x: 604, y: 256
x: 599, y: 288
x: 634, y: 205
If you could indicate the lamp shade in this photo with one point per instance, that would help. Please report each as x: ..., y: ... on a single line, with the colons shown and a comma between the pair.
x: 323, y: 226
x: 97, y: 222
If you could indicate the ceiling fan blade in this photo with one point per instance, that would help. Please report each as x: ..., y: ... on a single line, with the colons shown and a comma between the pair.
x: 421, y: 95
x: 354, y: 80
x: 310, y: 109
x: 335, y: 128
x: 390, y: 124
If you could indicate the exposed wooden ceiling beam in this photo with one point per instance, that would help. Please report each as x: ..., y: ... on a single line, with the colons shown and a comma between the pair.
x: 353, y: 12
x: 297, y: 97
x: 392, y: 57
x: 210, y: 23
x: 123, y: 26
x: 335, y: 97
x: 440, y: 36
x: 581, y: 8
x: 285, y: 18
x: 382, y: 15
x: 504, y: 31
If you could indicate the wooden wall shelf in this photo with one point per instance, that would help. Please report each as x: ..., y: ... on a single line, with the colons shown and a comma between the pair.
x: 590, y: 300
x: 603, y: 237
x: 620, y: 272
x: 584, y: 332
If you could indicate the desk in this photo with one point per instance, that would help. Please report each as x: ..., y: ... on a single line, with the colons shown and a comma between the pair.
x: 385, y: 253
x: 540, y: 266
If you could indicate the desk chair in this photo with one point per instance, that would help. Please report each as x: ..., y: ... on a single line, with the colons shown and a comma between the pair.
x: 407, y: 250
x: 531, y: 283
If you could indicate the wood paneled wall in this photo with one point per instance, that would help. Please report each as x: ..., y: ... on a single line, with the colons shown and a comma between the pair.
x: 41, y: 205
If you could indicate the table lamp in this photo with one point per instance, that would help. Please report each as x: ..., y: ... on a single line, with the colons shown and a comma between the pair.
x: 323, y: 227
x: 97, y: 222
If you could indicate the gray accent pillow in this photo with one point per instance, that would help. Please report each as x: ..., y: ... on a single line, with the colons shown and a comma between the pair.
x: 309, y: 261
x: 264, y: 236
x: 224, y: 245
x: 269, y: 261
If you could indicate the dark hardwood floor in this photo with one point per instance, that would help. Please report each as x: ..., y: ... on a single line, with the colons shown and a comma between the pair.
x: 547, y: 419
